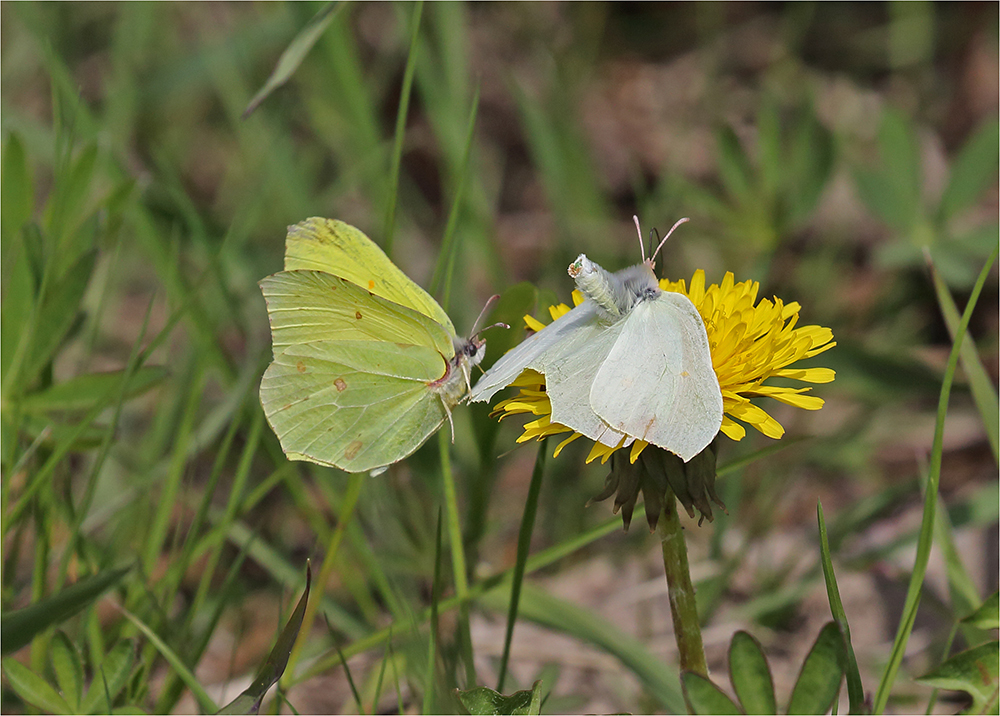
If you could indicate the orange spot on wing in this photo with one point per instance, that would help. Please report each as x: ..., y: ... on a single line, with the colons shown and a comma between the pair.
x: 300, y: 367
x: 353, y: 449
x: 371, y: 284
x: 340, y: 385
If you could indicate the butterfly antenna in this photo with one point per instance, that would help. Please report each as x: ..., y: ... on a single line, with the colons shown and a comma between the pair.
x: 490, y: 303
x: 642, y: 249
x: 672, y: 228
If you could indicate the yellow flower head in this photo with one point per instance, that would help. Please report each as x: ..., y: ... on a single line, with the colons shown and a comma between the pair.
x: 749, y: 344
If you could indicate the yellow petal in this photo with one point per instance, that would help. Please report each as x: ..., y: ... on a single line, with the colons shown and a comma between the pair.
x: 750, y: 413
x: 558, y: 311
x: 533, y: 323
x: 731, y: 429
x: 564, y: 443
x: 808, y: 375
x: 637, y: 447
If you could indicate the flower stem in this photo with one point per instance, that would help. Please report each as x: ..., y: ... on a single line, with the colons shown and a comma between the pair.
x: 683, y: 607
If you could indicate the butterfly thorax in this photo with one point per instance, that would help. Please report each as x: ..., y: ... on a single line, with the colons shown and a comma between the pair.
x: 616, y: 294
x: 454, y: 384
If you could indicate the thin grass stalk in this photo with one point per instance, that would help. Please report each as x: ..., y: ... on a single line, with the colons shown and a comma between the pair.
x: 432, y: 641
x: 932, y: 701
x: 400, y: 133
x: 683, y: 606
x: 169, y: 693
x: 194, y: 533
x: 91, y: 485
x: 523, y: 547
x: 926, y: 538
x: 160, y: 525
x: 173, y: 686
x: 458, y: 562
x: 205, y: 702
x: 355, y: 482
x: 39, y: 574
x: 378, y: 683
x: 41, y: 476
x: 446, y: 263
x: 855, y: 689
x: 543, y: 559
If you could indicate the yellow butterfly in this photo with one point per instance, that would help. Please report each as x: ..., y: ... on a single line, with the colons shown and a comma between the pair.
x: 367, y: 365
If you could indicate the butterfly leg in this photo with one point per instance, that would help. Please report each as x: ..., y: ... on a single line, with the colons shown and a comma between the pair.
x: 451, y: 422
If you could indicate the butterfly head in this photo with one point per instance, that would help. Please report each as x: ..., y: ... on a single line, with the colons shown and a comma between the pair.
x: 472, y: 350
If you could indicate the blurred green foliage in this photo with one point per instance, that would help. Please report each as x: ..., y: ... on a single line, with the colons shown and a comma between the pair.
x: 818, y: 148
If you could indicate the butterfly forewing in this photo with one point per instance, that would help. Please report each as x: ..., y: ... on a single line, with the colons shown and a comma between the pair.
x: 541, y: 348
x: 340, y: 249
x: 306, y: 306
x: 657, y: 382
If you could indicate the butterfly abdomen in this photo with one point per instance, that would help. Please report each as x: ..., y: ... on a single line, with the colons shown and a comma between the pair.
x: 616, y: 294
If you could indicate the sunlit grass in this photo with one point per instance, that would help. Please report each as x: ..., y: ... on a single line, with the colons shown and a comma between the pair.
x: 140, y: 210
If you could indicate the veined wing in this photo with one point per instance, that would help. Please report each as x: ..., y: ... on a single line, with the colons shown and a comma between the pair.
x: 355, y: 405
x: 307, y: 306
x: 657, y: 382
x: 570, y: 380
x: 538, y: 351
x: 340, y: 249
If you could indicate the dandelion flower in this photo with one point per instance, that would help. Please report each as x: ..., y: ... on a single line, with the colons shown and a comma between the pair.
x: 750, y: 341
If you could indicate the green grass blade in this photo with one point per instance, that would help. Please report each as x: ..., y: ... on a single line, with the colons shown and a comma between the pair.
x: 353, y: 492
x: 19, y: 627
x: 111, y: 677
x: 249, y: 701
x: 445, y: 266
x: 555, y: 613
x: 458, y: 562
x: 400, y: 132
x: 430, y: 677
x: 33, y: 688
x: 83, y: 508
x: 205, y: 702
x: 83, y: 391
x: 17, y: 192
x: 293, y: 55
x: 523, y: 547
x: 964, y: 594
x: 499, y: 581
x: 930, y: 503
x: 983, y: 392
x: 68, y: 669
x: 855, y: 689
x: 159, y: 528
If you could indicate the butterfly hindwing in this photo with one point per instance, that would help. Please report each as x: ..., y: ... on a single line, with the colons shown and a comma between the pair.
x: 350, y: 404
x: 339, y: 249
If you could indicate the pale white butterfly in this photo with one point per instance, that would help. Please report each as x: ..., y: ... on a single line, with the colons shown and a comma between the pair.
x: 630, y: 362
